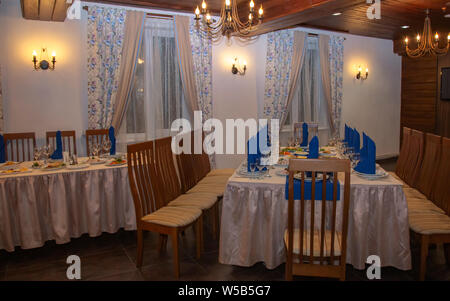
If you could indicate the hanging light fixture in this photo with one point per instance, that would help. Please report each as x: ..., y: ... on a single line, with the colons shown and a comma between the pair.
x: 229, y: 24
x: 427, y: 44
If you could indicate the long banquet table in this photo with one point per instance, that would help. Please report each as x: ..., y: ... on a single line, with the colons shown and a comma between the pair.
x: 63, y: 204
x: 254, y: 218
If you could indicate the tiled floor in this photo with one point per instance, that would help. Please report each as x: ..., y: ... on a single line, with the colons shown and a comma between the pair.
x: 112, y: 257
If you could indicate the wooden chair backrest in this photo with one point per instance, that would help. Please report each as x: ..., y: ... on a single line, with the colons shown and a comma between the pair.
x: 186, y: 169
x: 95, y: 136
x: 69, y: 141
x: 143, y: 179
x: 441, y: 189
x: 165, y: 169
x: 402, y: 158
x: 415, y: 157
x: 199, y: 160
x: 325, y: 166
x: 430, y: 164
x: 21, y: 146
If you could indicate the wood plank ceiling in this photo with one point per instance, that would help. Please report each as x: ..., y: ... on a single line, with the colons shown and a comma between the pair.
x: 44, y: 10
x: 280, y: 14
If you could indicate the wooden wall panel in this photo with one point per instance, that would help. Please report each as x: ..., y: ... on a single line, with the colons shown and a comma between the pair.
x: 45, y: 10
x: 443, y: 106
x: 419, y: 92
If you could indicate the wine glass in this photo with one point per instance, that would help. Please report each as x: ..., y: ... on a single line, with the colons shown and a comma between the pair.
x: 47, y: 150
x: 252, y: 167
x: 106, y: 146
x: 95, y: 149
x: 37, y: 153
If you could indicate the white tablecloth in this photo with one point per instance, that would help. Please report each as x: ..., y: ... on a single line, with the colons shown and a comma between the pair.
x: 254, y: 218
x: 63, y: 204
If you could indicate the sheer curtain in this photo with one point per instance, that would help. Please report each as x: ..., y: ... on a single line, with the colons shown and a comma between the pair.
x: 157, y: 98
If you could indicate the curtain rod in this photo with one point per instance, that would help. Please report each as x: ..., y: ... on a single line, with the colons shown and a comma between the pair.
x: 151, y: 15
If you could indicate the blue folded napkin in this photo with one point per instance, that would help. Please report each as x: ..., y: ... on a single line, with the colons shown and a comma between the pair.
x: 356, y: 141
x: 305, y: 134
x: 57, y: 154
x: 367, y: 163
x: 254, y: 151
x: 346, y: 133
x: 2, y: 150
x: 112, y: 138
x: 363, y: 151
x: 313, y: 148
x: 308, y: 190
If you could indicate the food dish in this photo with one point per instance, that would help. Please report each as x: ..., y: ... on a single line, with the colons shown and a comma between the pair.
x: 117, y: 162
x: 55, y: 165
x: 77, y: 166
x: 95, y: 161
x: 9, y: 165
x: 15, y: 171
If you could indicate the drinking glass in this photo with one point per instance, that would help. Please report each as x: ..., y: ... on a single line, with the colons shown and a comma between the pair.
x: 252, y: 167
x: 106, y: 146
x: 95, y: 149
x: 37, y: 153
x: 355, y: 158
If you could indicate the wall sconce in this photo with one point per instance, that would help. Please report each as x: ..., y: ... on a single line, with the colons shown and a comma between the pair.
x: 44, y: 62
x: 238, y: 67
x: 359, y: 74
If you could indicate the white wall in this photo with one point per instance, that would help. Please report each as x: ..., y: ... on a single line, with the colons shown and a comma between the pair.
x: 372, y: 106
x: 50, y: 100
x: 40, y: 101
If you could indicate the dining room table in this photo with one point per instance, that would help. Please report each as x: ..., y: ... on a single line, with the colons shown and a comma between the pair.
x: 255, y: 212
x: 64, y: 202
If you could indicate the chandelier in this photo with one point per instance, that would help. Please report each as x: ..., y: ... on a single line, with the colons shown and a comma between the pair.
x: 229, y: 24
x: 427, y: 44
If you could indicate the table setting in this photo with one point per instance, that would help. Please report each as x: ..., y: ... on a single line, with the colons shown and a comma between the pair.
x: 59, y: 196
x: 254, y: 208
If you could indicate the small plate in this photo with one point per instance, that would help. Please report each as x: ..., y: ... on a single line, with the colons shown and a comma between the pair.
x: 101, y: 161
x: 9, y: 165
x: 379, y: 174
x: 9, y: 172
x: 110, y: 164
x: 77, y: 166
x: 282, y: 173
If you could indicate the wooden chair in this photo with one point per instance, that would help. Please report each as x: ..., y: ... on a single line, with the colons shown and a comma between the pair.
x: 430, y: 164
x: 402, y: 162
x: 21, y: 146
x: 415, y: 156
x: 441, y: 189
x: 69, y: 140
x: 188, y: 180
x: 204, y: 200
x: 433, y: 227
x: 315, y: 251
x: 95, y: 136
x: 151, y: 213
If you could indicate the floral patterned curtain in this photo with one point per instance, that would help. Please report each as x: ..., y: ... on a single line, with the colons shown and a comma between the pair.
x: 104, y: 50
x: 1, y: 103
x: 336, y: 52
x: 278, y: 72
x: 202, y: 57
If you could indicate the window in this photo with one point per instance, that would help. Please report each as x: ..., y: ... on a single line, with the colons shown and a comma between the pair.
x: 309, y: 103
x: 156, y: 99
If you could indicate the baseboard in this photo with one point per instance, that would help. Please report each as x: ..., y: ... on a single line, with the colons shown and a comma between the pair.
x: 387, y: 156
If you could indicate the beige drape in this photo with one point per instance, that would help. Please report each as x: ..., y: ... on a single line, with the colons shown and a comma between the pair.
x: 186, y: 61
x: 324, y: 50
x: 298, y: 56
x: 134, y: 25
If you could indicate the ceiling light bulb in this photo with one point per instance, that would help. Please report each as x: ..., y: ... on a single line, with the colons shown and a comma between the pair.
x: 261, y: 11
x: 406, y: 40
x: 252, y: 4
x: 204, y: 5
x: 197, y: 11
x: 227, y: 2
x: 208, y: 16
x: 250, y: 16
x: 405, y: 26
x: 337, y: 14
x: 34, y: 53
x: 436, y: 36
x: 418, y: 38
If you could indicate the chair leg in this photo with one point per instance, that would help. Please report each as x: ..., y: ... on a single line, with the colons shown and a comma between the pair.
x: 176, y: 259
x: 214, y: 217
x: 423, y: 256
x: 162, y: 243
x: 198, y: 233
x: 140, y: 248
x: 447, y: 253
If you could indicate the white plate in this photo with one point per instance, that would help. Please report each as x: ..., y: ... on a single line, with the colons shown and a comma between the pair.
x: 15, y: 173
x: 379, y: 174
x: 282, y: 173
x: 77, y: 167
x: 3, y: 166
x: 96, y: 162
x: 53, y: 168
